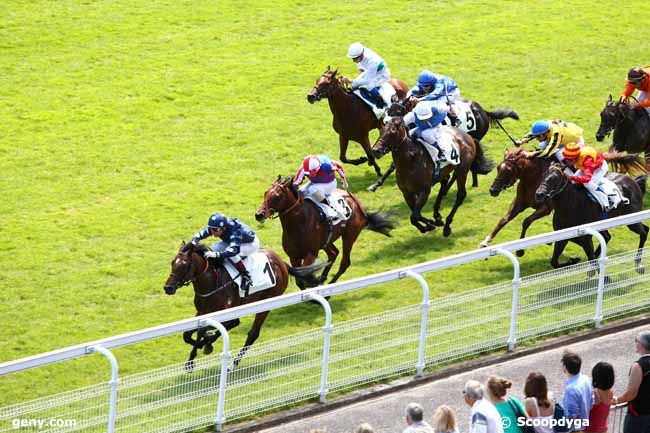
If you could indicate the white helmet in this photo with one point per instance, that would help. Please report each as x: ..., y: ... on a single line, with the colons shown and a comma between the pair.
x: 423, y: 110
x: 355, y: 50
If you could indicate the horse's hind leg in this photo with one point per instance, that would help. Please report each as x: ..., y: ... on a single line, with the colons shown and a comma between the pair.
x: 558, y: 248
x: 460, y: 197
x: 349, y: 237
x: 416, y: 202
x: 539, y: 213
x: 332, y: 253
x: 253, y: 334
x: 474, y: 179
x: 381, y: 180
x: 343, y: 144
x: 642, y: 230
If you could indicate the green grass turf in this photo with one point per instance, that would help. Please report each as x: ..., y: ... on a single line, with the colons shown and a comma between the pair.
x: 125, y: 124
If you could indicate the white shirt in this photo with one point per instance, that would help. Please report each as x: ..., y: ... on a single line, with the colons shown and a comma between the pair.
x: 485, y: 418
x: 370, y: 77
x: 419, y: 427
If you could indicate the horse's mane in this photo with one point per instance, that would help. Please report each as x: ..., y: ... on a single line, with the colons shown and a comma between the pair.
x: 629, y: 163
x: 514, y: 154
x: 198, y: 248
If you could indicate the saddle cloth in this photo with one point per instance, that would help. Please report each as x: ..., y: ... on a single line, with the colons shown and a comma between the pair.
x: 463, y: 110
x: 260, y: 269
x: 608, y: 189
x: 448, y: 147
x: 336, y: 207
x: 386, y: 89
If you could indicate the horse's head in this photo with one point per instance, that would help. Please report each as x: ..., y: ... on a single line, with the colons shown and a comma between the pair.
x: 183, y: 269
x: 508, y: 171
x: 392, y: 134
x: 400, y: 108
x: 281, y: 196
x: 323, y: 85
x: 553, y: 183
x: 609, y: 118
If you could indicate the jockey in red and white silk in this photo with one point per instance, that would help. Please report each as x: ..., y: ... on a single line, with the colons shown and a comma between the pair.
x: 320, y: 169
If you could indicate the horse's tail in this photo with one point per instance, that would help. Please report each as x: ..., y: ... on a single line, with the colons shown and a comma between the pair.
x: 630, y: 163
x: 501, y: 113
x: 641, y: 181
x: 305, y: 274
x: 379, y: 223
x: 481, y: 164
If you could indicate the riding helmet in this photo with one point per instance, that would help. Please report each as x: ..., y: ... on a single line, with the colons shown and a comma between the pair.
x: 355, y: 50
x: 426, y: 78
x: 571, y: 151
x: 635, y: 75
x: 540, y: 127
x: 217, y: 221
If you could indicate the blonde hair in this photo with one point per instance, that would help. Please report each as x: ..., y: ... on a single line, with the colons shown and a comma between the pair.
x: 444, y: 420
x: 364, y: 428
x: 498, y: 386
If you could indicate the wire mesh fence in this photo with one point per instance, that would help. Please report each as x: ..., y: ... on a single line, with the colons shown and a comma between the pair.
x: 286, y: 371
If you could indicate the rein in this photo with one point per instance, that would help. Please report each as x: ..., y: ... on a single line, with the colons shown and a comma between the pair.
x: 193, y: 279
x: 566, y: 180
x: 299, y: 200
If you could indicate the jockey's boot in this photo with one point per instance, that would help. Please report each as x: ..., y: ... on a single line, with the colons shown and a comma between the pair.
x: 246, y: 281
x: 453, y: 119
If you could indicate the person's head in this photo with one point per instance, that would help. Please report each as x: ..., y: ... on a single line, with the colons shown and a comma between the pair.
x: 423, y: 111
x: 217, y: 223
x: 414, y: 413
x: 426, y: 80
x: 364, y: 428
x: 498, y: 387
x: 355, y: 52
x: 536, y: 387
x: 571, y: 152
x: 444, y: 419
x: 472, y: 392
x: 311, y: 164
x: 635, y: 76
x: 643, y: 342
x: 602, y: 376
x: 540, y: 129
x: 571, y: 363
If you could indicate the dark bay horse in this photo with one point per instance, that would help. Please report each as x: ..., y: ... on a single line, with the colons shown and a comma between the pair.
x: 214, y: 290
x: 572, y: 207
x: 353, y: 119
x: 414, y: 171
x: 529, y: 172
x: 631, y: 128
x: 304, y: 234
x: 483, y: 118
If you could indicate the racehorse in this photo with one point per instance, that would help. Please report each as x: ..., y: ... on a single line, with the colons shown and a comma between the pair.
x: 572, y: 207
x: 529, y: 171
x: 215, y: 290
x: 353, y: 118
x: 631, y: 128
x: 304, y: 233
x: 476, y: 128
x: 414, y: 171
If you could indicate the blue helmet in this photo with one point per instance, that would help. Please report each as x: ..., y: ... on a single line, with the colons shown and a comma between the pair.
x: 540, y: 127
x: 217, y: 221
x: 426, y: 78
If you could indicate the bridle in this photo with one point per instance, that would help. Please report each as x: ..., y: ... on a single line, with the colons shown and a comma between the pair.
x: 182, y: 282
x: 515, y: 170
x: 385, y: 149
x: 565, y: 179
x: 298, y: 200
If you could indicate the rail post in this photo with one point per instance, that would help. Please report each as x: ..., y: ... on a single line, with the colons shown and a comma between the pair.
x: 602, y: 261
x: 424, y: 306
x: 512, y: 337
x: 223, y: 374
x: 112, y: 409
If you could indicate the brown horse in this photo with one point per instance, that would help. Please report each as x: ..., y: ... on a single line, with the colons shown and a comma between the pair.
x: 414, y: 171
x: 215, y: 290
x: 353, y: 119
x: 529, y: 171
x: 304, y: 233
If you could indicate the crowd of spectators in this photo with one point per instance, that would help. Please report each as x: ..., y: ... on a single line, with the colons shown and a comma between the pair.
x: 584, y: 407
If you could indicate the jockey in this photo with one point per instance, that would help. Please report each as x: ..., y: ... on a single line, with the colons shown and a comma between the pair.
x: 237, y: 239
x: 373, y: 74
x: 434, y: 87
x: 428, y: 116
x: 592, y: 169
x: 639, y: 79
x: 552, y: 135
x: 320, y: 169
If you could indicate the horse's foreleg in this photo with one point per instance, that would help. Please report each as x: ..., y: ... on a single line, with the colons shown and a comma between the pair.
x: 539, y: 213
x: 474, y: 179
x: 516, y: 207
x: 460, y: 198
x: 444, y: 188
x: 642, y: 230
x: 253, y: 334
x: 381, y: 180
x: 343, y: 145
x: 332, y: 253
x: 209, y: 340
x: 416, y: 202
x: 187, y: 337
x: 365, y: 143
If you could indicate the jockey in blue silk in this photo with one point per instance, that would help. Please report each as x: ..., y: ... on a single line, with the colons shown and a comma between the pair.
x: 427, y: 117
x: 373, y: 73
x: 237, y: 240
x: 436, y: 87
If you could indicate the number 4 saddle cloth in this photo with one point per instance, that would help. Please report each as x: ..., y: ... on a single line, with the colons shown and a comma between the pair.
x: 447, y: 149
x: 260, y: 269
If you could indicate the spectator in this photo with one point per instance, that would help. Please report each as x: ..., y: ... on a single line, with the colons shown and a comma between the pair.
x: 637, y: 394
x: 415, y: 420
x: 539, y: 402
x: 484, y: 417
x: 602, y: 380
x: 364, y: 428
x: 509, y: 408
x: 444, y: 420
x: 578, y: 394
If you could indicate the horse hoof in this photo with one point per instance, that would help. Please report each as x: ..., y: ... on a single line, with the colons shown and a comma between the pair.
x: 373, y: 187
x: 573, y: 260
x: 189, y: 366
x: 608, y: 279
x: 439, y: 222
x: 640, y: 269
x: 520, y: 253
x: 446, y: 232
x: 207, y: 349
